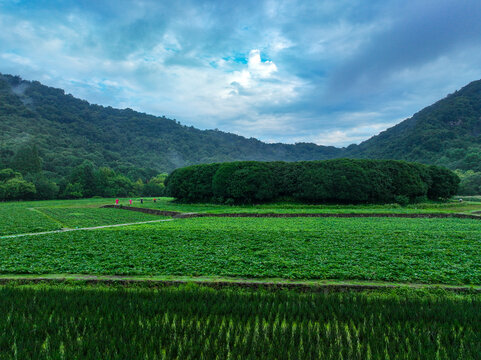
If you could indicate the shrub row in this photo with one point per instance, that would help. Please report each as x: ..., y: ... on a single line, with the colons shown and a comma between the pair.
x: 331, y: 181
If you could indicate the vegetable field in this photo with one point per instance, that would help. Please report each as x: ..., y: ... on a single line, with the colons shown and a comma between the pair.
x: 18, y: 220
x: 73, y: 322
x: 86, y: 217
x: 131, y: 318
x: 389, y: 249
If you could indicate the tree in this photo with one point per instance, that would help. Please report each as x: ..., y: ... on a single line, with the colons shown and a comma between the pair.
x: 155, y: 186
x: 27, y: 160
x: 17, y: 189
x: 84, y: 176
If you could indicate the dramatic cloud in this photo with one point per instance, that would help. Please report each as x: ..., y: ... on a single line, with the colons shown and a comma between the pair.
x: 332, y: 72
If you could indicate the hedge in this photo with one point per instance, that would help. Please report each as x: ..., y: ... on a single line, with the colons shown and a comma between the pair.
x: 328, y: 181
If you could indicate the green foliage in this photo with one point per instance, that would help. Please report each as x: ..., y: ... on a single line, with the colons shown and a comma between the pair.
x: 470, y: 182
x: 14, y: 187
x: 192, y: 183
x: 447, y: 133
x: 87, y: 181
x: 73, y: 191
x: 27, y: 160
x: 21, y: 220
x: 190, y: 322
x: 374, y: 249
x: 335, y: 181
x: 68, y: 131
x: 45, y: 189
x: 87, y: 217
x: 155, y: 187
x: 244, y: 182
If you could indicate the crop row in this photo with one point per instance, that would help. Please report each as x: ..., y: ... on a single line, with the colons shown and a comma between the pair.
x: 407, y: 250
x: 58, y: 322
x: 19, y: 220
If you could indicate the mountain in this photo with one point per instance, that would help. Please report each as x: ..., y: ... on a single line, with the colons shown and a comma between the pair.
x: 66, y: 131
x: 447, y: 133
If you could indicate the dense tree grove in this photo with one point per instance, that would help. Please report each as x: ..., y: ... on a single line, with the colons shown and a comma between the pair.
x: 84, y: 180
x: 332, y: 181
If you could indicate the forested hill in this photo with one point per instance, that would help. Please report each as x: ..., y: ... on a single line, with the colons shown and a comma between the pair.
x: 68, y: 131
x: 446, y: 133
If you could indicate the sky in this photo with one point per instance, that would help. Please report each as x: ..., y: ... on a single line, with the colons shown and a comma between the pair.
x: 331, y: 72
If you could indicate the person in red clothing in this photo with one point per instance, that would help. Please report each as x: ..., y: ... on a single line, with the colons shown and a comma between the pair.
x: 130, y: 202
x: 116, y: 201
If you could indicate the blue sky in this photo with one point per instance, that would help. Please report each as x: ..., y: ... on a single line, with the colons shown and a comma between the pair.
x: 330, y: 72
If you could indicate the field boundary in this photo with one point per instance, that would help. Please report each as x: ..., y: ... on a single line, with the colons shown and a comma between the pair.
x: 181, y: 215
x: 219, y: 283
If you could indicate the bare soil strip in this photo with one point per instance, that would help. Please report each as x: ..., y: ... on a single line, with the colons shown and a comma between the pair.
x: 84, y: 228
x: 218, y: 283
x: 180, y: 215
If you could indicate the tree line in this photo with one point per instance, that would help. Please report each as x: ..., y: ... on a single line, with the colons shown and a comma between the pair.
x: 25, y: 180
x: 328, y: 181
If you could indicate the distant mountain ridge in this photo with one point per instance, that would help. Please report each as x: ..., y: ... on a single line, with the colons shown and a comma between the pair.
x: 68, y: 131
x: 447, y: 133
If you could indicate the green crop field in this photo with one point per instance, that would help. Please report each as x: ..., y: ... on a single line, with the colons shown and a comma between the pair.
x: 389, y: 249
x: 428, y: 207
x: 29, y: 217
x: 86, y: 217
x: 17, y: 220
x: 26, y: 217
x: 79, y: 322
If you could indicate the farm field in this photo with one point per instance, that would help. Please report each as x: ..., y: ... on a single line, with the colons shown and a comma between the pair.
x: 106, y: 309
x: 27, y: 217
x: 454, y: 206
x: 382, y: 249
x: 191, y: 322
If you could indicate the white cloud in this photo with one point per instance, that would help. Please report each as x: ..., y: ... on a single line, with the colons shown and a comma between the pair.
x: 183, y: 61
x: 259, y: 68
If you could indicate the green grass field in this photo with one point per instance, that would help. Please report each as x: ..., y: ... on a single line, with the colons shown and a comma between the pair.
x: 85, y: 322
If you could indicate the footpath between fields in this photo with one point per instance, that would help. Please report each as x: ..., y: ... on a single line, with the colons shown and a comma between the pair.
x: 82, y: 228
x: 225, y: 282
x: 181, y: 215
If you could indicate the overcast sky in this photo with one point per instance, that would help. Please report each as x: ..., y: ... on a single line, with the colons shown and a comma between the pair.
x: 330, y: 72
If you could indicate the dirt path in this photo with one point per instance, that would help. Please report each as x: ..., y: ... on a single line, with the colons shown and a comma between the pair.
x: 222, y: 282
x: 84, y: 228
